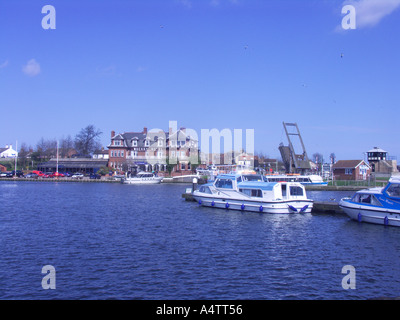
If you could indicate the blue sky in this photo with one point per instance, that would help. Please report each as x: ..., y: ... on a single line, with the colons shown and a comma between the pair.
x: 125, y: 64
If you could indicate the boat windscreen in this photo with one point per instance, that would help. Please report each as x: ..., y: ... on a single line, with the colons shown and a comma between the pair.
x: 394, y: 190
x: 253, y: 177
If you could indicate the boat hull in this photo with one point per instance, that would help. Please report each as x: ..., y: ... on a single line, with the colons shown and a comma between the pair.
x: 371, y: 214
x: 141, y: 181
x: 275, y: 207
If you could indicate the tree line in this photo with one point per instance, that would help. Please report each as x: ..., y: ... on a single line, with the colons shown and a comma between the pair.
x: 84, y: 143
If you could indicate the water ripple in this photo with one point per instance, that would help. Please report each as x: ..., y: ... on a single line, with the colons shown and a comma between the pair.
x: 110, y: 241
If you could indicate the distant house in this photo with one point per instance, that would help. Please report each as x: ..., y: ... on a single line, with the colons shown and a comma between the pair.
x: 8, y: 152
x: 101, y: 154
x: 351, y: 170
x: 380, y: 162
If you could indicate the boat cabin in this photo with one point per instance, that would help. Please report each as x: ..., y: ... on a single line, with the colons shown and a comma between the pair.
x: 392, y: 190
x: 257, y: 186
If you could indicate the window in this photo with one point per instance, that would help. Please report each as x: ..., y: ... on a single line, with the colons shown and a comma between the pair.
x: 205, y: 189
x: 160, y: 143
x: 134, y: 143
x: 348, y: 171
x: 252, y: 192
x: 134, y: 154
x: 253, y: 177
x: 296, y: 191
x: 246, y: 192
x: 122, y: 153
x: 362, y: 198
x: 147, y: 143
x: 183, y: 166
x: 394, y: 190
x: 224, y: 183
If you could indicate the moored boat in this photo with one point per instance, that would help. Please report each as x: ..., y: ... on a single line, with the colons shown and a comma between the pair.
x: 375, y: 205
x: 253, y: 193
x: 142, y: 178
x: 307, y: 180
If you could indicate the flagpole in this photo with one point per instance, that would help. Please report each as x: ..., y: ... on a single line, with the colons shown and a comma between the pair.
x: 16, y: 158
x: 57, y: 158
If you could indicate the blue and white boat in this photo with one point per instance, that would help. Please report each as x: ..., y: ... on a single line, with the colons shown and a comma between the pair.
x: 252, y: 193
x: 375, y: 205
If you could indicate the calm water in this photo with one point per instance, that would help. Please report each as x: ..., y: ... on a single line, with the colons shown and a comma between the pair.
x: 113, y: 241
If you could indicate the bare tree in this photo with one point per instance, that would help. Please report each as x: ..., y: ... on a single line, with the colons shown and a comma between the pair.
x: 318, y: 157
x: 87, y: 140
x: 66, y: 146
x: 332, y: 157
x: 46, y: 149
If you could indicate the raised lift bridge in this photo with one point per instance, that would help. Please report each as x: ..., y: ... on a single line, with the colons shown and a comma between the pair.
x: 294, y: 162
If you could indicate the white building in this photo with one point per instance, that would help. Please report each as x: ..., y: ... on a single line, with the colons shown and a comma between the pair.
x: 101, y: 154
x: 8, y: 152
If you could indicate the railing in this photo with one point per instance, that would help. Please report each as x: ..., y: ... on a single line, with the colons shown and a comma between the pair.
x: 359, y: 183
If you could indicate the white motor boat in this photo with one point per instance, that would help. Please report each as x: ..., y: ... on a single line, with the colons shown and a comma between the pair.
x: 252, y: 193
x: 307, y: 180
x: 142, y: 178
x: 375, y: 205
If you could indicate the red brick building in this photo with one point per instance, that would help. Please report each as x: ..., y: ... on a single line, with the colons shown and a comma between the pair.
x: 153, y: 151
x: 351, y: 170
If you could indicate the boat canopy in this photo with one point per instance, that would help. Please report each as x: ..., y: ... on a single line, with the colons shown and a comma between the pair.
x: 267, y: 186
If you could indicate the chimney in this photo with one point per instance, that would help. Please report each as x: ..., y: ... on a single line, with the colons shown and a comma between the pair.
x: 145, y: 130
x: 112, y: 134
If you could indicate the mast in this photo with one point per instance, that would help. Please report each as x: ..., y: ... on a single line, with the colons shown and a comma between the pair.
x: 57, y: 159
x: 16, y: 158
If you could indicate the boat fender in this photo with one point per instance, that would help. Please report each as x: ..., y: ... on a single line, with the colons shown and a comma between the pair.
x: 242, y: 206
x: 293, y: 208
x: 227, y: 205
x: 359, y: 217
x: 386, y: 221
x: 261, y: 209
x: 304, y: 208
x: 212, y: 204
x: 200, y: 201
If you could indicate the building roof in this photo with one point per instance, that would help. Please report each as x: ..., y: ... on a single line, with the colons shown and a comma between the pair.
x: 101, y: 152
x: 75, y: 163
x: 348, y: 164
x: 376, y: 149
